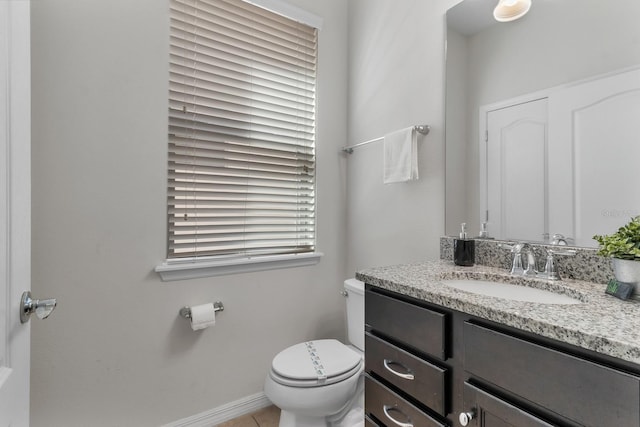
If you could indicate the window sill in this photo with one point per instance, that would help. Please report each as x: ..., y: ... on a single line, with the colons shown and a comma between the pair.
x: 171, y: 270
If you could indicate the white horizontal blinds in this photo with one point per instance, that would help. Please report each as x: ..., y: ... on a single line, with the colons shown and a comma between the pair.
x: 241, y: 131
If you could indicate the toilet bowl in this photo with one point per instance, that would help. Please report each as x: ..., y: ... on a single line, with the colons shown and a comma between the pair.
x: 319, y: 383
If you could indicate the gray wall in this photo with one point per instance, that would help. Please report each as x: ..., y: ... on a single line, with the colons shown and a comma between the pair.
x: 396, y: 80
x: 457, y: 178
x: 115, y: 352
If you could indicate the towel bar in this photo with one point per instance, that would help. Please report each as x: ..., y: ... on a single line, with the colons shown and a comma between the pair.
x: 423, y: 129
x: 186, y: 311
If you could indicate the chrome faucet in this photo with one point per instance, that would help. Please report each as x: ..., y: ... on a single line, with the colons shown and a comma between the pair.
x: 530, y: 270
x: 550, y: 271
x: 527, y: 266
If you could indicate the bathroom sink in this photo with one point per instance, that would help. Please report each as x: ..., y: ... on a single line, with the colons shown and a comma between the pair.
x: 510, y: 291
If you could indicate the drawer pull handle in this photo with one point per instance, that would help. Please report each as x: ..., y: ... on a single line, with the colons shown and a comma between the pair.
x: 387, y: 409
x: 388, y: 362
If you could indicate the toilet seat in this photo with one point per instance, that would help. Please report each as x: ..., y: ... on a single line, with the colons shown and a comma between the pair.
x: 315, y: 363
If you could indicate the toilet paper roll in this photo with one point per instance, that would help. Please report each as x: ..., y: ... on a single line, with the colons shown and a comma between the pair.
x: 202, y: 316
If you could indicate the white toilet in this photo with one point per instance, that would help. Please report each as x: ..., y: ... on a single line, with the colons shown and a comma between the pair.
x: 319, y: 383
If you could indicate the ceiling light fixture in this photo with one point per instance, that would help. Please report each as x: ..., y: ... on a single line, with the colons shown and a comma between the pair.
x: 510, y: 10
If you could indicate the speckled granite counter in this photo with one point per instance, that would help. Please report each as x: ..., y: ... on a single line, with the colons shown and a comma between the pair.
x: 600, y: 323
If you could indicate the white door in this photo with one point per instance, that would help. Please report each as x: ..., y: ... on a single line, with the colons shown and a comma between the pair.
x: 594, y: 147
x: 15, y: 210
x: 516, y: 175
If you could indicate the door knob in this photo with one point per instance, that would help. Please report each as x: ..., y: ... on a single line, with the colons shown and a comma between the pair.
x: 41, y: 307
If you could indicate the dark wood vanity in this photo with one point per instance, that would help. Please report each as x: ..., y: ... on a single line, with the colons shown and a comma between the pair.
x: 428, y: 365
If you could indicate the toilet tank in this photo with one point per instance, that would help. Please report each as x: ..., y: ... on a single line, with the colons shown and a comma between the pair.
x: 355, y: 312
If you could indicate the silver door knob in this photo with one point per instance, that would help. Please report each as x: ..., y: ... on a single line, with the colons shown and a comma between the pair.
x: 41, y: 307
x: 466, y: 417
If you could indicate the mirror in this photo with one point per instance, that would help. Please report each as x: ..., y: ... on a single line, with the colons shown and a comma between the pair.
x: 558, y: 43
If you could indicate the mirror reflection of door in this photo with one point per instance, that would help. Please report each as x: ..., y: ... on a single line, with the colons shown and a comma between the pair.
x: 594, y: 147
x: 517, y: 190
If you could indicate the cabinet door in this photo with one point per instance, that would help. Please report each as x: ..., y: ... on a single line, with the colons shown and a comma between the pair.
x: 486, y: 410
x: 591, y: 394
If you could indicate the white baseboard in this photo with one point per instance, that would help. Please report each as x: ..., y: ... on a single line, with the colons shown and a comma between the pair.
x: 224, y: 413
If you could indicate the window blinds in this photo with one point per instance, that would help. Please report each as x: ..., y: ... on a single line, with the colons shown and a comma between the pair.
x: 241, y: 131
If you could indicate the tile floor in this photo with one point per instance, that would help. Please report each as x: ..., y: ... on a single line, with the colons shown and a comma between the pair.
x: 267, y: 417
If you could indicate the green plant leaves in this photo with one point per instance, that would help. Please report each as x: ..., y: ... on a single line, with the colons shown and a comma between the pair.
x: 623, y: 244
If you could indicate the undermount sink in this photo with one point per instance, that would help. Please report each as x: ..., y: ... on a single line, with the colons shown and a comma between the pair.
x: 510, y: 291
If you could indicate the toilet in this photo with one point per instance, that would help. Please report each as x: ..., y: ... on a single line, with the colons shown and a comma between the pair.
x: 319, y: 383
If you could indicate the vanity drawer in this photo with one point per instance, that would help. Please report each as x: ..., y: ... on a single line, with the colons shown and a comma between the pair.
x: 368, y: 422
x: 416, y: 326
x: 422, y: 380
x: 589, y: 393
x: 392, y: 409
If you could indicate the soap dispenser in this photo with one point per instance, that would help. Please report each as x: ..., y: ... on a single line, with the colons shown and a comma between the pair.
x: 484, y: 233
x: 464, y: 249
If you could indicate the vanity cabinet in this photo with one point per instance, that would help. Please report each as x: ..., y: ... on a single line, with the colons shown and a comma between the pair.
x: 487, y: 410
x: 368, y: 422
x: 406, y: 345
x: 586, y: 392
x: 427, y: 365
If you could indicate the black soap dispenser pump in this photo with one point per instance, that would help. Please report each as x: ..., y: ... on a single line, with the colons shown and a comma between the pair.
x: 464, y: 249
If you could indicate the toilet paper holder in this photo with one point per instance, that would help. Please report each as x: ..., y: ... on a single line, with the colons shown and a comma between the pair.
x: 186, y: 310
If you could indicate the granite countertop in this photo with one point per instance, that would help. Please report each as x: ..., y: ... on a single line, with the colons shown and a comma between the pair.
x: 601, y: 323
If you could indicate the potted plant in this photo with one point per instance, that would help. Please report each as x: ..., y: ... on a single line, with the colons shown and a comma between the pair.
x: 623, y: 247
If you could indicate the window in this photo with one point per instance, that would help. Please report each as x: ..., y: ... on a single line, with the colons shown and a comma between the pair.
x: 242, y: 102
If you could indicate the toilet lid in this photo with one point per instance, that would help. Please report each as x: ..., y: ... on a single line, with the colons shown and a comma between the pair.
x: 314, y: 363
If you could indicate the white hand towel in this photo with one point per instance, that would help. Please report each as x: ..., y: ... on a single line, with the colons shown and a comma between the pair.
x: 401, y: 156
